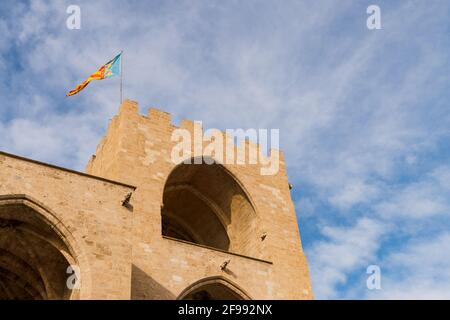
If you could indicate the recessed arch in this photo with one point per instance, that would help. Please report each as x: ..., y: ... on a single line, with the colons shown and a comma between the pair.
x: 214, y: 288
x: 204, y: 203
x: 38, y: 250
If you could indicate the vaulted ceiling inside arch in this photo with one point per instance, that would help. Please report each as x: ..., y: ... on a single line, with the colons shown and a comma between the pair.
x: 33, y: 257
x: 204, y: 204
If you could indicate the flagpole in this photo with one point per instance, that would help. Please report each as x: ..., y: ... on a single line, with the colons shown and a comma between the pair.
x: 121, y: 77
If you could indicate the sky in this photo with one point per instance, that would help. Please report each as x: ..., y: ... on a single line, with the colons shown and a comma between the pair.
x: 363, y: 114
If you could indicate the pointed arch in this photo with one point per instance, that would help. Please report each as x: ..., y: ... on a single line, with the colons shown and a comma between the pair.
x: 214, y: 288
x: 211, y: 161
x: 28, y: 227
x: 205, y: 203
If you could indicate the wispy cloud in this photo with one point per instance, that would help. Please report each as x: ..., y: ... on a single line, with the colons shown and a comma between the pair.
x: 363, y: 115
x: 420, y: 199
x: 419, y: 271
x: 344, y: 250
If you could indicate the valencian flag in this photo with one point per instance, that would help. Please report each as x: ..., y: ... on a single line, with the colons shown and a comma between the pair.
x: 110, y: 69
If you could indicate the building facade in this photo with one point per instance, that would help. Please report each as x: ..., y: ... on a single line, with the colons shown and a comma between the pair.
x: 138, y: 225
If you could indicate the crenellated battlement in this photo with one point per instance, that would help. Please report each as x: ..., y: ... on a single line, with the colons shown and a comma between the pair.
x: 172, y: 223
x: 232, y: 146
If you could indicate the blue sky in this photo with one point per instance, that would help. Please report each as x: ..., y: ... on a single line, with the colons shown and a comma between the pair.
x: 363, y: 115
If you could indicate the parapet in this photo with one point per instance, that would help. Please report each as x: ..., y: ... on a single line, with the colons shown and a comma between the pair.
x: 159, y: 115
x: 129, y: 106
x: 163, y: 120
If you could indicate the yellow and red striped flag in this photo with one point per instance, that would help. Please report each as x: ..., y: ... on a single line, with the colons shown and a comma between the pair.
x: 111, y: 68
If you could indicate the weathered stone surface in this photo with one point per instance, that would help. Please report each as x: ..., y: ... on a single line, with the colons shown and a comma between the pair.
x: 182, y: 225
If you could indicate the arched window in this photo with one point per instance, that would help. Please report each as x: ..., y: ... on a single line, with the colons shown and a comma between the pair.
x: 213, y: 288
x: 205, y: 204
x: 34, y: 257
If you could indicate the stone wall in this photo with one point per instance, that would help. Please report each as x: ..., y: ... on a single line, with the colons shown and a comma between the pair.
x: 137, y: 150
x: 122, y: 250
x: 87, y: 214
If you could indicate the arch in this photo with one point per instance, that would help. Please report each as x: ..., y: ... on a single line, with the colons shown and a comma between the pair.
x: 214, y: 288
x: 39, y: 249
x: 211, y: 161
x: 205, y: 203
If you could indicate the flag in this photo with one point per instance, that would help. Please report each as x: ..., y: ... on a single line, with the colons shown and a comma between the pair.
x: 110, y: 69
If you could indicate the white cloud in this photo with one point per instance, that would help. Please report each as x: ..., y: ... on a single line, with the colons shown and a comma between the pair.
x: 346, y: 249
x: 420, y: 271
x: 421, y: 199
x: 352, y: 104
x: 352, y: 193
x: 414, y: 269
x: 59, y: 139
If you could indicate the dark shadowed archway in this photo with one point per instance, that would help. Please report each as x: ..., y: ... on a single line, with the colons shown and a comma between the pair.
x: 34, y: 253
x: 213, y: 288
x: 205, y: 204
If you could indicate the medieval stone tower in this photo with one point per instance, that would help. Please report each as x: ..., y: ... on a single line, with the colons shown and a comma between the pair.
x: 137, y: 225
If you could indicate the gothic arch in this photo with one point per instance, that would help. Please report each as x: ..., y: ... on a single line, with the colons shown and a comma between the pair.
x: 206, y: 204
x: 37, y: 249
x: 213, y: 288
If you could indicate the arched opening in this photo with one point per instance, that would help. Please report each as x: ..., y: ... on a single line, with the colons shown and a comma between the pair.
x: 214, y: 288
x: 33, y: 255
x: 205, y: 204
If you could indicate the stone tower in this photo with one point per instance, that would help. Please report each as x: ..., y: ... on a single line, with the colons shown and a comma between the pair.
x: 140, y: 226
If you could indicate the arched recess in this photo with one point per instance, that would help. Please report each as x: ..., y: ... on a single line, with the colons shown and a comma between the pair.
x: 35, y: 251
x: 213, y: 288
x: 205, y: 204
